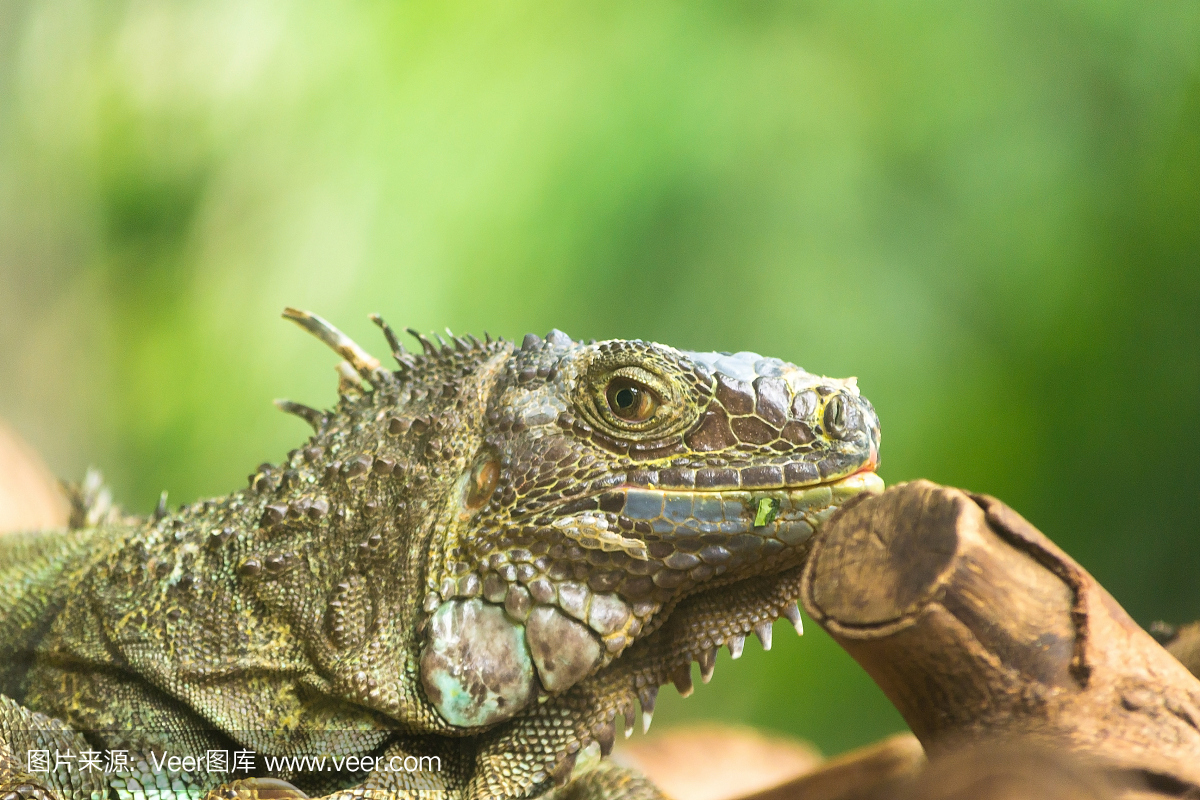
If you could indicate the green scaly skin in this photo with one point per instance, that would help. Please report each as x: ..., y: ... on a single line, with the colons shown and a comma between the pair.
x: 483, y: 557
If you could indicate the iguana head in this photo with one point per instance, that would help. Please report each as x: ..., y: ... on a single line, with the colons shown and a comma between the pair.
x: 589, y: 513
x: 611, y: 481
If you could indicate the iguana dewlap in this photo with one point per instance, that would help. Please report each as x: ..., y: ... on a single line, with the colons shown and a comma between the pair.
x: 473, y: 566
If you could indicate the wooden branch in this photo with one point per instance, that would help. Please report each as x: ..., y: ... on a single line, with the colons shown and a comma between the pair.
x: 1185, y: 646
x: 978, y: 628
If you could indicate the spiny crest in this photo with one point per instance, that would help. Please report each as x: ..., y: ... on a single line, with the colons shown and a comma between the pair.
x: 446, y: 350
x: 363, y: 362
x: 358, y: 365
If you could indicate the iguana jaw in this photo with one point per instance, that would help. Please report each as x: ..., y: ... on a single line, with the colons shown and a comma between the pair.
x: 707, y: 558
x: 692, y: 541
x: 714, y: 616
x: 777, y: 545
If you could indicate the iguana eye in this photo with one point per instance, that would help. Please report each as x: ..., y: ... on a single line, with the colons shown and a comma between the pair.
x: 630, y: 400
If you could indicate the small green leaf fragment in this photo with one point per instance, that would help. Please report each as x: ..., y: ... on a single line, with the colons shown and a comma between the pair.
x: 768, y: 509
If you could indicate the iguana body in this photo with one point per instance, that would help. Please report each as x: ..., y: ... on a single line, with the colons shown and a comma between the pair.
x: 483, y: 557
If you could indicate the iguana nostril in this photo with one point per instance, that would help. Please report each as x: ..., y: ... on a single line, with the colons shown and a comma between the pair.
x: 837, y: 421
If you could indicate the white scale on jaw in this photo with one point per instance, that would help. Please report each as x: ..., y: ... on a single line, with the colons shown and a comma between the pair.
x: 595, y: 526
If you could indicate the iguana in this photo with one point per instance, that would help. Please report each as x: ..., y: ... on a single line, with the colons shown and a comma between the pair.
x: 452, y: 589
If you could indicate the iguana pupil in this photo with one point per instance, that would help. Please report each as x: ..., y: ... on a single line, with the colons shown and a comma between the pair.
x: 630, y: 401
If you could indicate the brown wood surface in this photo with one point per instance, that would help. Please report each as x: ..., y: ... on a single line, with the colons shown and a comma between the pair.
x: 981, y: 631
x: 1185, y: 646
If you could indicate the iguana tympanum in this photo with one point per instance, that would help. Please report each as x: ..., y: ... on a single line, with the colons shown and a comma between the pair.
x: 452, y: 589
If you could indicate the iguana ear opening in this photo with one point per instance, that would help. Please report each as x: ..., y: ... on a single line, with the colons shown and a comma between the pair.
x: 481, y: 482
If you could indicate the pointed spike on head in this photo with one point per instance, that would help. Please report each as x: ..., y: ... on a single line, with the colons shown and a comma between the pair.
x: 160, y: 510
x: 310, y: 415
x: 348, y: 379
x: 736, y: 645
x: 792, y: 612
x: 708, y: 664
x: 763, y: 632
x: 426, y: 345
x: 390, y: 335
x: 363, y: 362
x: 531, y: 342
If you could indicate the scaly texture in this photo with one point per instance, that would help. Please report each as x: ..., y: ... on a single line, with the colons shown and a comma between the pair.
x: 474, y: 565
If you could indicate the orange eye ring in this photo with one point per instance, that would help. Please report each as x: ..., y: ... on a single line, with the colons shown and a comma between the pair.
x: 629, y: 400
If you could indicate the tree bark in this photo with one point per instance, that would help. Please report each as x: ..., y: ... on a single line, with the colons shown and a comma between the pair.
x: 978, y: 628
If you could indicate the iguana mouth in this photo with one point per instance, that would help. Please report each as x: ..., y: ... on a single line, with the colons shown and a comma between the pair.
x: 740, y: 551
x: 698, y: 535
x: 674, y: 575
x: 788, y: 514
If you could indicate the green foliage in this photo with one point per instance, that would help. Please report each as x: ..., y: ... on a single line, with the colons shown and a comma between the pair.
x: 989, y: 212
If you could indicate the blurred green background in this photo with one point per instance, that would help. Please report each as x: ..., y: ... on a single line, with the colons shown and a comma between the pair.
x: 988, y: 212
